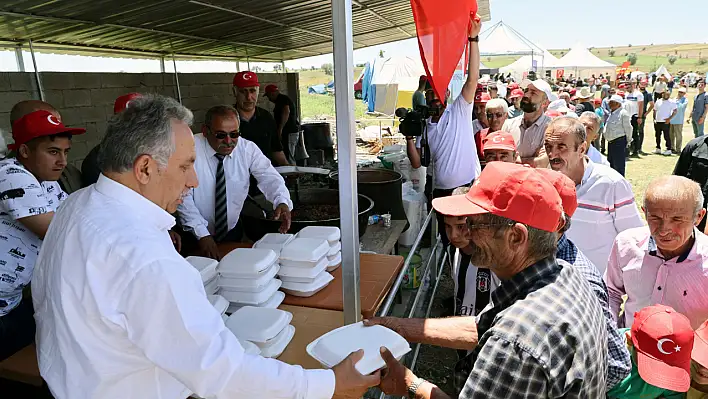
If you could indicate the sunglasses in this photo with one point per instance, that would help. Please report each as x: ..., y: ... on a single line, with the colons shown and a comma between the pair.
x: 493, y: 115
x: 222, y: 135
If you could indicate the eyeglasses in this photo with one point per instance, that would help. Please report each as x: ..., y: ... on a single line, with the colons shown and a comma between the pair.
x: 492, y: 115
x: 222, y: 135
x: 471, y: 225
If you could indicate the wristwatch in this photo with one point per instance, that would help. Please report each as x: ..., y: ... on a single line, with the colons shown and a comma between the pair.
x: 413, y: 388
x: 473, y: 39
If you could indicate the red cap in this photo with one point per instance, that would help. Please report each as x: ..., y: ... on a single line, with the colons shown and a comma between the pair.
x: 499, y: 140
x: 271, y: 89
x: 38, y: 124
x: 552, y: 113
x: 620, y: 93
x: 123, y: 101
x: 573, y: 98
x: 246, y: 79
x: 573, y: 91
x: 509, y: 190
x: 565, y: 188
x: 516, y: 93
x: 700, y: 345
x: 663, y: 340
x: 482, y: 98
x: 513, y: 86
x: 604, y: 81
x: 597, y: 101
x: 622, y: 86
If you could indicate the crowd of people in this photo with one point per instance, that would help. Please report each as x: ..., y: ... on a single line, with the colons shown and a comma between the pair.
x: 562, y: 290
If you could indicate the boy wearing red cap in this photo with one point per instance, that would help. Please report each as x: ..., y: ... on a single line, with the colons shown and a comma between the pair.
x: 29, y: 196
x: 660, y: 342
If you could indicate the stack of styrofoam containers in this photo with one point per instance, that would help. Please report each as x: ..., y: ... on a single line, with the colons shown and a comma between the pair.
x: 268, y: 329
x: 303, y: 266
x: 274, y: 241
x: 333, y: 235
x: 247, y: 278
x: 207, y: 269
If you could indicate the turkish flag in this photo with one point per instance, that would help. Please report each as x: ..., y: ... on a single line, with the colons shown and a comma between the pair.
x: 442, y: 27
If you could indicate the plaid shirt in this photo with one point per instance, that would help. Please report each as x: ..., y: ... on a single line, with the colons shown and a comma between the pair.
x: 544, y: 337
x: 619, y: 364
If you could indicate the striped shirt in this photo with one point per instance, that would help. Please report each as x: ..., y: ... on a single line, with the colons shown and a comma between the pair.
x: 606, y: 207
x: 529, y: 140
x: 637, y: 268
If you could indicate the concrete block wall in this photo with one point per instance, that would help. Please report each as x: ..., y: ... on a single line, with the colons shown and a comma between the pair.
x: 86, y: 99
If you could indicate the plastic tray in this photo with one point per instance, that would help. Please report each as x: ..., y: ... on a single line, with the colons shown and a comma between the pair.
x: 247, y: 262
x: 205, y: 266
x: 212, y: 287
x: 219, y: 303
x: 305, y: 289
x: 329, y: 233
x: 302, y: 274
x: 254, y: 285
x: 333, y: 347
x: 251, y: 298
x: 258, y: 325
x: 280, y: 343
x: 304, y: 250
x: 334, y: 249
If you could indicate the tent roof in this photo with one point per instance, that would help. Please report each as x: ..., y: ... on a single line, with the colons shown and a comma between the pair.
x: 260, y: 30
x: 502, y: 39
x: 663, y: 71
x: 547, y: 60
x: 580, y: 57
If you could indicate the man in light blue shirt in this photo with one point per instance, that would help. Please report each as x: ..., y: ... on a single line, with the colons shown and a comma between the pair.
x: 676, y: 123
x: 700, y: 109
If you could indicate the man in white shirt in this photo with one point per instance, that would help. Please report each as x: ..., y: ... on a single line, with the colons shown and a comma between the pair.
x: 225, y: 162
x: 592, y: 122
x: 618, y: 132
x: 660, y: 86
x: 664, y: 110
x: 29, y: 196
x: 528, y: 129
x: 634, y: 104
x: 605, y: 200
x: 120, y: 314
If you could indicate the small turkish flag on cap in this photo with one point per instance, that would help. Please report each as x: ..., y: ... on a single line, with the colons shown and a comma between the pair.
x: 38, y: 124
x: 246, y: 79
x: 123, y: 102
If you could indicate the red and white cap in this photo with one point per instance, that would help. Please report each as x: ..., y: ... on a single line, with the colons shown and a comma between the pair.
x: 663, y: 340
x: 246, y: 79
x: 482, y: 98
x: 565, y: 188
x: 38, y: 124
x: 509, y: 190
x: 700, y: 345
x: 123, y: 102
x: 516, y: 93
x: 499, y: 140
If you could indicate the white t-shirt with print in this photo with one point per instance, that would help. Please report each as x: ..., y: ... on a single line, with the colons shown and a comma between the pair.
x: 664, y: 108
x: 473, y: 284
x: 21, y: 195
x: 631, y: 102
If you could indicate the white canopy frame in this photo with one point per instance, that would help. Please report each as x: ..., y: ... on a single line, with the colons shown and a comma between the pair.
x: 499, y: 36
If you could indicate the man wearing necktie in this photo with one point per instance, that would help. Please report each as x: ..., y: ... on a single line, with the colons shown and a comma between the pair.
x: 224, y: 165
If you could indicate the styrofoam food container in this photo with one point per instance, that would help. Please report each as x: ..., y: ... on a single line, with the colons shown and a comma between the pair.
x: 224, y: 317
x: 305, y: 289
x: 211, y: 287
x: 335, y: 249
x: 272, y: 303
x: 334, y: 257
x: 302, y: 263
x: 304, y: 250
x: 329, y: 233
x: 302, y: 274
x: 205, y: 266
x: 335, y: 263
x: 257, y: 284
x: 219, y: 303
x: 249, y: 347
x: 247, y: 262
x: 333, y: 347
x: 258, y: 325
x: 252, y: 298
x: 274, y: 241
x: 280, y: 343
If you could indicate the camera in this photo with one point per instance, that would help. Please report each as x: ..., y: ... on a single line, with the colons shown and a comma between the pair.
x: 413, y: 120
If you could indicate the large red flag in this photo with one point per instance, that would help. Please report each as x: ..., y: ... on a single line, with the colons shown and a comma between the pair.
x: 442, y: 27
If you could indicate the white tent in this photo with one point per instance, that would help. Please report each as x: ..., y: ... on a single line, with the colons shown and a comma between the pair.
x: 394, y: 80
x: 582, y: 63
x: 663, y: 71
x: 501, y: 39
x: 525, y: 64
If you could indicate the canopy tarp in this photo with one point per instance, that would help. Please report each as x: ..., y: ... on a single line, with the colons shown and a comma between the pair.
x: 584, y: 63
x: 392, y: 83
x: 502, y: 39
x: 546, y: 60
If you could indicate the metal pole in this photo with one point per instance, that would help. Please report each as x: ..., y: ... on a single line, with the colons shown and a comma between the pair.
x: 346, y: 151
x: 18, y: 57
x: 282, y: 64
x: 238, y: 66
x: 38, y: 78
x: 179, y: 92
x: 162, y: 64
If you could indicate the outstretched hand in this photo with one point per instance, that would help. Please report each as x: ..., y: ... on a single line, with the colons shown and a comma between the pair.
x: 475, y: 25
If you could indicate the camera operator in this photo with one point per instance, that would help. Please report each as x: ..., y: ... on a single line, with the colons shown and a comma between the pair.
x: 449, y: 134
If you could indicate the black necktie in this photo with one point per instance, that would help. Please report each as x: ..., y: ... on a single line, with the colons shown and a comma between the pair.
x: 221, y: 221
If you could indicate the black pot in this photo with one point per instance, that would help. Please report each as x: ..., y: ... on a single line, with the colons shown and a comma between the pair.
x: 256, y: 226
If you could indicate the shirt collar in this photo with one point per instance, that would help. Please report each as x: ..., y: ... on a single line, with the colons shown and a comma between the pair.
x: 537, y: 122
x: 653, y: 250
x: 147, y: 210
x: 523, y: 281
x: 563, y: 243
x: 210, y: 152
x: 589, y: 167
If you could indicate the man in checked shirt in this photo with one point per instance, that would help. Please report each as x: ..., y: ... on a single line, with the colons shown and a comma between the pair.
x: 544, y: 334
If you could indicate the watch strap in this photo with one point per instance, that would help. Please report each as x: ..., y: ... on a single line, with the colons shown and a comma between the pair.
x: 413, y: 388
x: 473, y: 39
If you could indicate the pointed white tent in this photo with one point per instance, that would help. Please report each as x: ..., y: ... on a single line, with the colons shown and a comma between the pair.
x: 663, y: 71
x: 502, y: 39
x: 525, y: 64
x: 583, y: 63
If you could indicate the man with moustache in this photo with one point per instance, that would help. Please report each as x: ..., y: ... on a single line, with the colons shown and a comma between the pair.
x: 529, y: 128
x: 225, y: 161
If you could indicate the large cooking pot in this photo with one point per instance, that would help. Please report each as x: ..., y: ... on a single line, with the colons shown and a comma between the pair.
x: 255, y: 225
x: 318, y: 135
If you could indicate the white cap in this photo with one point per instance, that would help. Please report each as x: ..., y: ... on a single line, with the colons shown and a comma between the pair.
x: 553, y: 97
x: 540, y: 84
x: 557, y: 104
x: 682, y: 89
x: 617, y: 98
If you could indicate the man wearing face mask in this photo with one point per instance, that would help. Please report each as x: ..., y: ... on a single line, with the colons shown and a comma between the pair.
x: 224, y: 165
x: 529, y: 128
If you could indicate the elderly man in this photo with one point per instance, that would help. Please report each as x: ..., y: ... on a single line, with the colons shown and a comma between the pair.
x: 120, y: 313
x: 592, y: 122
x: 529, y: 128
x: 500, y: 146
x: 618, y: 133
x: 257, y: 124
x: 224, y: 164
x: 665, y: 262
x: 515, y: 107
x: 497, y: 112
x: 29, y: 196
x: 527, y: 346
x: 605, y: 200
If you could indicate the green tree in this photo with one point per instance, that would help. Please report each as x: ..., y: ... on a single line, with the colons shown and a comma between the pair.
x: 328, y: 69
x: 672, y: 59
x: 381, y: 53
x: 611, y: 52
x: 702, y: 61
x: 632, y: 58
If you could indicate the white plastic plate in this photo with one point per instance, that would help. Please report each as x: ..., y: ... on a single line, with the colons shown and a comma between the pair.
x: 305, y: 250
x: 333, y: 347
x: 219, y: 303
x: 258, y: 325
x: 335, y: 249
x: 280, y: 343
x: 205, y: 266
x: 308, y: 289
x: 254, y: 285
x: 329, y: 233
x: 247, y: 262
x: 302, y: 274
x: 251, y: 298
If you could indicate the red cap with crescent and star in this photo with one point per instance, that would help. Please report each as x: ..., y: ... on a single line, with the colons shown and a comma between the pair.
x: 38, y: 124
x: 246, y: 79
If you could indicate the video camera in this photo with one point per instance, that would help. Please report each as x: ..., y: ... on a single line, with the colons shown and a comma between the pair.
x: 413, y: 120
